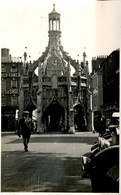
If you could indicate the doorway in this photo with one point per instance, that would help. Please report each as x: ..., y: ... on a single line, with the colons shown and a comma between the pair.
x: 54, y: 116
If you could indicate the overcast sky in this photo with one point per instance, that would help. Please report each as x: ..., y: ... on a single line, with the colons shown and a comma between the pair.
x: 86, y: 25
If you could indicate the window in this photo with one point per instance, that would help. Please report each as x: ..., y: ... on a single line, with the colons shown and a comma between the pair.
x: 13, y: 68
x: 95, y: 82
x: 14, y: 101
x: 54, y: 82
x: 3, y: 85
x: 3, y: 101
x: 3, y: 68
x: 14, y: 84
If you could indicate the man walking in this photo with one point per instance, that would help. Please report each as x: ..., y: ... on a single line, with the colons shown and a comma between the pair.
x: 25, y: 127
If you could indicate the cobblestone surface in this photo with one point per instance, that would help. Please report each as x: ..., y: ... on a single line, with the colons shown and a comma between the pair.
x: 52, y: 164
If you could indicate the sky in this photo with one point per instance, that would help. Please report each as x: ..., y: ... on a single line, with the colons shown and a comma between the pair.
x: 86, y: 25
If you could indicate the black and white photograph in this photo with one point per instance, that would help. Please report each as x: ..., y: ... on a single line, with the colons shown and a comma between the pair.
x: 60, y: 96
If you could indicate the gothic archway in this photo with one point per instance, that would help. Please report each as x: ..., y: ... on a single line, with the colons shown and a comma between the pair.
x: 54, y: 117
x: 79, y: 118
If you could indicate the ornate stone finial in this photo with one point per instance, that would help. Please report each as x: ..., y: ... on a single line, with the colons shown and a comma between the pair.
x: 53, y: 6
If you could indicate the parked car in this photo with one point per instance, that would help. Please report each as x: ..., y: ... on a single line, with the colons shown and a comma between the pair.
x: 102, y: 167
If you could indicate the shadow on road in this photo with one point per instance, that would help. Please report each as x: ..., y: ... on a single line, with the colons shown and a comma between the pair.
x: 42, y: 172
x: 58, y: 139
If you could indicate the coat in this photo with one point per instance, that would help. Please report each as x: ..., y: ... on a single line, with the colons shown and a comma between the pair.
x: 25, y: 128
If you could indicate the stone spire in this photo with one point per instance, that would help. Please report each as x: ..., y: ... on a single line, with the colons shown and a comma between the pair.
x: 53, y: 7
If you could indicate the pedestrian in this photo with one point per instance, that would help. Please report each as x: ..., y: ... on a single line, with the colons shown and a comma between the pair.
x: 102, y: 126
x: 25, y: 127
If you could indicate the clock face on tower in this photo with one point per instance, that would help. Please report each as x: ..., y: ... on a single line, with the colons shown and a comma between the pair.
x: 54, y: 65
x: 53, y: 62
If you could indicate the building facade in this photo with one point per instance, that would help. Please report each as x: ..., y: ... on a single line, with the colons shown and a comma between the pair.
x: 58, y: 100
x: 111, y: 86
x: 10, y: 82
x: 61, y: 100
x: 105, y: 86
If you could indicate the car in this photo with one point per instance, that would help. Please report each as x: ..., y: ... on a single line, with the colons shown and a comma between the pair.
x: 102, y: 166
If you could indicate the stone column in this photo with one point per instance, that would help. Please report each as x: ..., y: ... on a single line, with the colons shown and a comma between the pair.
x: 70, y: 113
x: 52, y: 24
x: 39, y: 101
x: 49, y: 24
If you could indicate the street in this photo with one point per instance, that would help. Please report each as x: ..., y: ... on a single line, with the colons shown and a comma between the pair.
x: 52, y: 164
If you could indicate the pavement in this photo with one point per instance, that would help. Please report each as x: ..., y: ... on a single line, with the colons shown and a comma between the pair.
x: 52, y: 164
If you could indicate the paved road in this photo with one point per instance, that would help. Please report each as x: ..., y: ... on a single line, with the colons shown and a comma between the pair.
x: 52, y: 164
